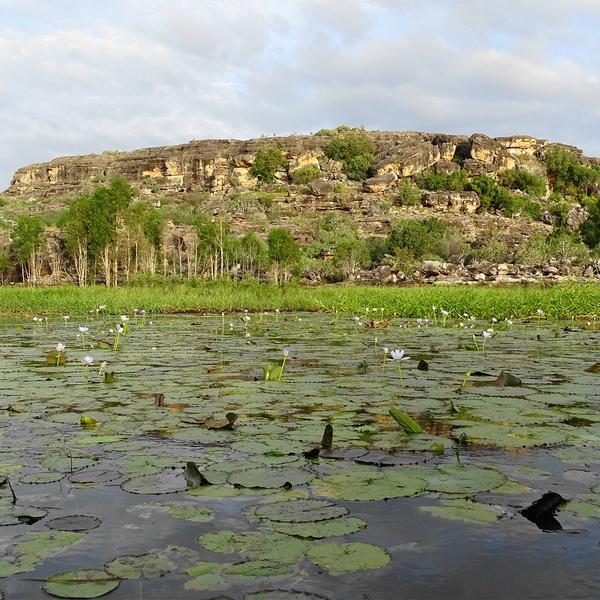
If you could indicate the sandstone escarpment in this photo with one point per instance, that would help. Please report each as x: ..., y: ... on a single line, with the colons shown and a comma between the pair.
x: 220, y: 166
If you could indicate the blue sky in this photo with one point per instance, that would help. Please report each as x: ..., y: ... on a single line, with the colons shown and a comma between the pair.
x: 82, y: 76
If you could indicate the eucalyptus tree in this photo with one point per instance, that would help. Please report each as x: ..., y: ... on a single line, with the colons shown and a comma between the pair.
x: 27, y: 241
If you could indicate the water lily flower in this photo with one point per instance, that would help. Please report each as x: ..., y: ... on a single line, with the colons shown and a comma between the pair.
x: 444, y: 312
x: 102, y: 307
x: 494, y: 320
x: 87, y: 360
x: 83, y: 329
x: 246, y: 318
x: 286, y: 351
x: 66, y: 318
x: 124, y: 318
x: 398, y: 355
x: 60, y: 347
x: 487, y: 334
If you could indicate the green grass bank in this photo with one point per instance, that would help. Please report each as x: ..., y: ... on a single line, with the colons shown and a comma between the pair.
x: 563, y: 301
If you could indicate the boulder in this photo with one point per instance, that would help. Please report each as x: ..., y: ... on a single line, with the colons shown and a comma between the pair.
x: 518, y: 145
x: 407, y: 158
x: 576, y: 216
x: 321, y: 187
x: 446, y: 166
x: 486, y: 150
x: 376, y: 185
x: 467, y: 202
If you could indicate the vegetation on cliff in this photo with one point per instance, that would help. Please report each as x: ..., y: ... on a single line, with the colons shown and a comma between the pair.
x: 324, y: 208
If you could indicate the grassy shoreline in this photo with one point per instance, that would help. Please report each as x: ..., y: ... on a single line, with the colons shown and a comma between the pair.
x: 564, y: 301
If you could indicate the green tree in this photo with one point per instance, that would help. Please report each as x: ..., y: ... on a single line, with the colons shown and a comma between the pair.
x: 267, y: 162
x: 354, y: 150
x: 5, y: 264
x: 212, y: 237
x: 284, y: 253
x: 419, y: 238
x: 76, y: 225
x: 518, y: 179
x: 27, y: 240
x: 305, y: 174
x: 590, y: 228
x: 351, y: 254
x: 106, y: 208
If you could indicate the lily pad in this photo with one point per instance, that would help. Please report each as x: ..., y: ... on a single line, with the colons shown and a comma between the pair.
x: 270, y: 477
x: 319, y: 529
x: 339, y: 559
x: 85, y: 583
x: 463, y: 510
x: 266, y: 546
x: 74, y: 523
x: 165, y: 482
x: 300, y: 511
x: 463, y: 479
x: 146, y: 566
x: 362, y: 482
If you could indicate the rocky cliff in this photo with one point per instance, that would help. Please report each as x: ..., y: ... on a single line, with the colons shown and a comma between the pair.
x: 220, y: 166
x: 216, y: 177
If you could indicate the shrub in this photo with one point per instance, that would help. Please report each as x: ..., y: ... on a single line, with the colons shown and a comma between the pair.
x: 518, y: 179
x: 420, y: 238
x: 590, y: 228
x: 453, y: 182
x: 267, y: 162
x: 305, y: 174
x: 354, y: 150
x: 568, y: 175
x: 283, y: 249
x: 351, y: 254
x: 408, y: 195
x: 494, y: 196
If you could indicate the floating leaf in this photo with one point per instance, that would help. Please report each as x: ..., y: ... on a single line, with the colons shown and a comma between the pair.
x: 270, y: 477
x: 300, y: 511
x: 146, y: 566
x: 345, y: 558
x: 360, y: 482
x: 15, y: 515
x: 88, y: 422
x: 405, y: 421
x: 74, y: 523
x: 268, y: 546
x: 463, y: 510
x: 85, y: 583
x: 319, y: 529
x: 595, y: 368
x: 463, y: 479
x: 165, y: 482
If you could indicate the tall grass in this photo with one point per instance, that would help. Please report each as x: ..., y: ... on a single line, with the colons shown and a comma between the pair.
x: 559, y: 302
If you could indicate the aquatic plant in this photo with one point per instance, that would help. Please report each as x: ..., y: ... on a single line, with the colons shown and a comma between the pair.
x: 82, y: 331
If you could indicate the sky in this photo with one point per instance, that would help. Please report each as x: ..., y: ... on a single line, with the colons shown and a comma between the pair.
x: 84, y: 76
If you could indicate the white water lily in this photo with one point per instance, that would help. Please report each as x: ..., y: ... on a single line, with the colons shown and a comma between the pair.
x: 398, y: 355
x: 83, y: 329
x: 386, y: 350
x: 60, y: 347
x: 444, y: 312
x: 87, y: 360
x: 124, y: 318
x: 487, y: 333
x: 66, y: 318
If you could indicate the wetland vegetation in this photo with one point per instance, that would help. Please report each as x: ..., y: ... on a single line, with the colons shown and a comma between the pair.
x: 292, y: 455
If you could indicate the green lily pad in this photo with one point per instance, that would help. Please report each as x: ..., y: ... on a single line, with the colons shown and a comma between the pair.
x: 463, y: 510
x: 41, y: 477
x: 165, y: 482
x: 463, y: 479
x: 270, y: 477
x: 319, y: 529
x: 146, y: 566
x: 362, y: 482
x: 266, y: 546
x: 339, y: 559
x: 14, y: 515
x: 85, y: 583
x: 300, y: 511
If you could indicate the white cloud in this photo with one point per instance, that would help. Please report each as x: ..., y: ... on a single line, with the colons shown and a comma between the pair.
x: 79, y: 78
